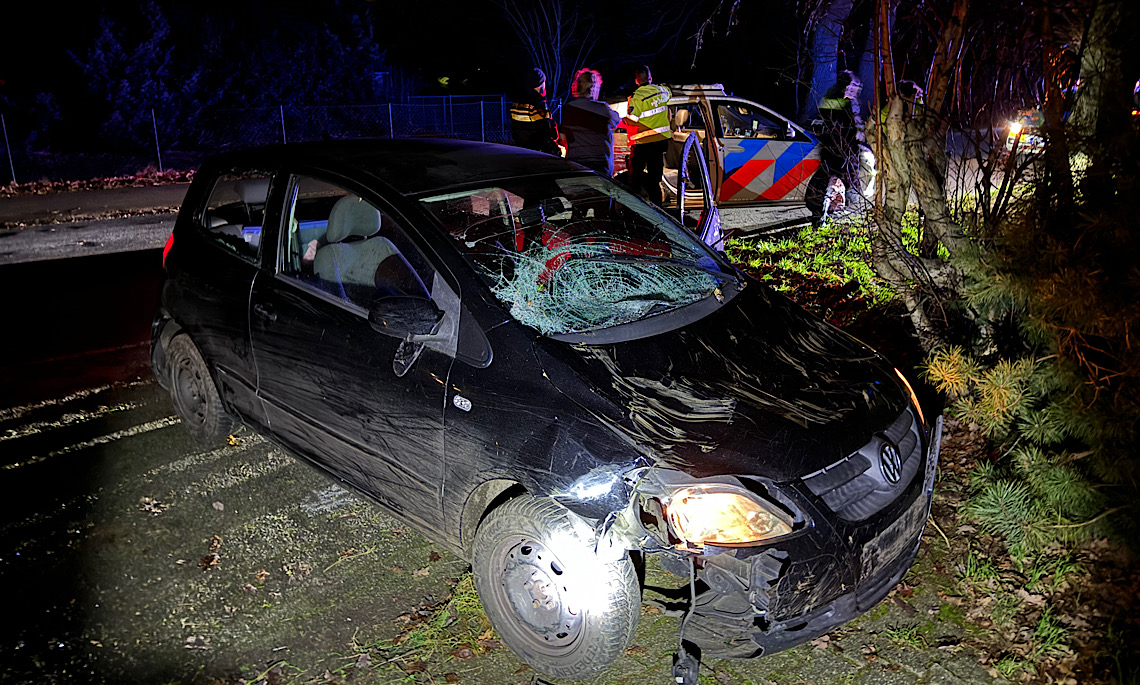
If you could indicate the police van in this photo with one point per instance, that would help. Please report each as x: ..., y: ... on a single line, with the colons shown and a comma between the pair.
x: 754, y: 155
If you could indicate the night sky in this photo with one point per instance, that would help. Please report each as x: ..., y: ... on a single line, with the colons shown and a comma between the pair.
x: 467, y: 43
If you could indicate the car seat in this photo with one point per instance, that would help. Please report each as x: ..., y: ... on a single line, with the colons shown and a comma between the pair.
x: 354, y: 251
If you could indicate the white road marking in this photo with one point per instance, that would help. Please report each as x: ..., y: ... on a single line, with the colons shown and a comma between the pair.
x: 101, y: 440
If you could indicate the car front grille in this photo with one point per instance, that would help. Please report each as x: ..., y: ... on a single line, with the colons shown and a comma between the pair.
x: 858, y: 486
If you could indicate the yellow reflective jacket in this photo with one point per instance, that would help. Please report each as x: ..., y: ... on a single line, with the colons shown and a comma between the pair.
x: 648, y: 108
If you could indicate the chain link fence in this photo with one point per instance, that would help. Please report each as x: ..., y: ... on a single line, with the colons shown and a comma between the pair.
x: 484, y: 118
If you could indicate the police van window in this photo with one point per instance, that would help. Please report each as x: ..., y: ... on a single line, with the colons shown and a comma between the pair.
x: 692, y: 119
x: 343, y: 245
x: 739, y: 120
x: 235, y: 212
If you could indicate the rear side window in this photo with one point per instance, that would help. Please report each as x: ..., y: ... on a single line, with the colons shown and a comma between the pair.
x: 345, y: 246
x: 235, y: 213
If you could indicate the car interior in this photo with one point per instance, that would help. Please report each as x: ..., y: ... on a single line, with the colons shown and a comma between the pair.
x: 341, y: 244
x: 235, y: 213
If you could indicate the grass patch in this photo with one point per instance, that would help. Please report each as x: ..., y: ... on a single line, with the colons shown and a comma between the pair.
x: 952, y: 614
x: 455, y: 628
x: 837, y: 254
x: 1050, y: 638
x: 908, y: 636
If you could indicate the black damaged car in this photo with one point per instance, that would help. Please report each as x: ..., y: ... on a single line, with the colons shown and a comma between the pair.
x: 552, y: 378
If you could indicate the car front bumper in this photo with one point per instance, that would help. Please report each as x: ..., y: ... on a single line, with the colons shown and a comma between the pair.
x: 784, y: 597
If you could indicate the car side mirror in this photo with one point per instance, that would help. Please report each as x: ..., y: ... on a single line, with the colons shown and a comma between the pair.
x: 404, y: 316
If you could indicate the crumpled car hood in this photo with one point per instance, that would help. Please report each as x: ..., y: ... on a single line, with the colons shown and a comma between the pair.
x: 757, y: 388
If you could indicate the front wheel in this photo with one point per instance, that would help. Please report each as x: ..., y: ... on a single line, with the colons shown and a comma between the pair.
x: 558, y: 606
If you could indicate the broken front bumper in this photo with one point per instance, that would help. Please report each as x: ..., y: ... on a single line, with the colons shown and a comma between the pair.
x: 752, y: 601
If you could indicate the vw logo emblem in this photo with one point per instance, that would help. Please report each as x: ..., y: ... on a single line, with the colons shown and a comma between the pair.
x: 890, y: 462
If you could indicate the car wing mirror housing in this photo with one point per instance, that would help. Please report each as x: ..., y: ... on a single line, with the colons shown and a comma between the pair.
x: 404, y: 316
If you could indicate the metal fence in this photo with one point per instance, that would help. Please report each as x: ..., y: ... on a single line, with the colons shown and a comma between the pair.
x: 484, y: 118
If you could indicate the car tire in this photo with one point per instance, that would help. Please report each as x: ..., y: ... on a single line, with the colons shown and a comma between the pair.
x: 553, y: 601
x: 194, y: 394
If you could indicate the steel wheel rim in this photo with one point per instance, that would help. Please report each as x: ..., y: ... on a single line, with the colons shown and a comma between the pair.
x: 188, y: 389
x: 536, y: 590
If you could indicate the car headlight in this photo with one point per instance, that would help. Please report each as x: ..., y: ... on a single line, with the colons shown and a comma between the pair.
x: 1014, y: 128
x: 723, y: 515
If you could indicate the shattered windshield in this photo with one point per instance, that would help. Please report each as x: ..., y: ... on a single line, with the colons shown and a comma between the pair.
x: 577, y: 254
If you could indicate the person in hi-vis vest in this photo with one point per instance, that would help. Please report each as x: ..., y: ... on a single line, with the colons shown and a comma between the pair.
x: 648, y: 111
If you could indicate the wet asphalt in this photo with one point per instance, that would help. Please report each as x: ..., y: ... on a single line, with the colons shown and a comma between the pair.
x: 133, y: 555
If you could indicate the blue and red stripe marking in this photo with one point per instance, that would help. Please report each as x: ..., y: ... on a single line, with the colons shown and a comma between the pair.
x: 791, y: 169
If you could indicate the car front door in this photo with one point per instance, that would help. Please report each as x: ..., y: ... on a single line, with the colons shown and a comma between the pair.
x: 364, y: 405
x: 765, y: 158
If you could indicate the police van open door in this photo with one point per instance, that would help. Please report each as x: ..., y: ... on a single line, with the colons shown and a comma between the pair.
x: 762, y: 156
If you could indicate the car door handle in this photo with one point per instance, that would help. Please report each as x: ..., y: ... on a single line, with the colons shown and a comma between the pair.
x: 265, y: 312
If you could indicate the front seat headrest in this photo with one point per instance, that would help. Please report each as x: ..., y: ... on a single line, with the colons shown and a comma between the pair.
x: 352, y: 216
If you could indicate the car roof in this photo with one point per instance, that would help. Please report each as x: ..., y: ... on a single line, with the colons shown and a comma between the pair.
x: 706, y: 89
x: 411, y: 165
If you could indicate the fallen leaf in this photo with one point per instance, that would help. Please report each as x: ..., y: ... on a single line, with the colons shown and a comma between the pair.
x: 215, y: 543
x: 722, y: 677
x: 397, y: 569
x: 414, y: 666
x: 274, y: 676
x: 821, y: 642
x: 1029, y: 598
x: 422, y: 572
x: 488, y: 634
x: 636, y: 649
x: 208, y: 561
x: 434, y: 556
x: 451, y: 678
x: 905, y: 606
x: 219, y: 506
x: 249, y: 588
x: 488, y: 645
x: 261, y: 576
x: 364, y: 661
x: 521, y: 669
x: 152, y: 505
x: 233, y: 440
x: 463, y: 653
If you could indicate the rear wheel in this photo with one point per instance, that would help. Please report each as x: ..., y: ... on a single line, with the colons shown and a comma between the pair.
x: 194, y: 394
x: 560, y: 608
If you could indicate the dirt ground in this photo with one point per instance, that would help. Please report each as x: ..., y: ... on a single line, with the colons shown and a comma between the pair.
x: 143, y: 558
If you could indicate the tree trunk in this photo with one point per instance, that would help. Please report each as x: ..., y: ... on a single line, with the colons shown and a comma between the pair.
x: 824, y: 52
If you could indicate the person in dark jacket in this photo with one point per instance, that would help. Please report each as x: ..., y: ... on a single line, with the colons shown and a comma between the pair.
x: 840, y: 143
x: 588, y: 125
x: 531, y: 124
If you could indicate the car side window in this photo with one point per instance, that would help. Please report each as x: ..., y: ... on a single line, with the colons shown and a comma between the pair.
x: 235, y: 213
x: 343, y: 245
x: 740, y: 120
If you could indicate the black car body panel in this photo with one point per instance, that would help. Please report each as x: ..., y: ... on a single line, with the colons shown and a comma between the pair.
x: 756, y: 394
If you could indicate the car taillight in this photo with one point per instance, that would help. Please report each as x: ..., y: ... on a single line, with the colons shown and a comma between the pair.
x: 166, y: 250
